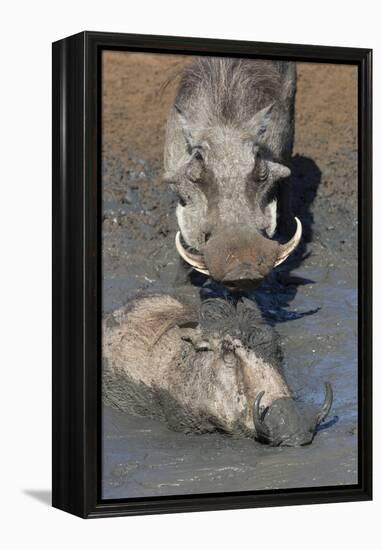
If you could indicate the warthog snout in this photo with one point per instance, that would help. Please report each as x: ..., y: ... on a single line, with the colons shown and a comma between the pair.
x: 238, y: 259
x: 284, y: 423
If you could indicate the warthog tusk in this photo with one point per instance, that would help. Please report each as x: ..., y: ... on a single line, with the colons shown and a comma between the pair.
x: 286, y: 249
x: 260, y: 427
x: 195, y: 260
x: 198, y: 263
x: 326, y: 407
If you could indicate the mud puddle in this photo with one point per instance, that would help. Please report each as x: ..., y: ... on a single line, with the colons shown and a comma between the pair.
x: 142, y: 457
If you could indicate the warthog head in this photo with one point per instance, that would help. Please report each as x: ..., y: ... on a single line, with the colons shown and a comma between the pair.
x: 239, y: 357
x: 227, y: 212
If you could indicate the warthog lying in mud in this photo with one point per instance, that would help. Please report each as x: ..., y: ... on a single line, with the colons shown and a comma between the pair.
x: 218, y: 368
x: 229, y: 138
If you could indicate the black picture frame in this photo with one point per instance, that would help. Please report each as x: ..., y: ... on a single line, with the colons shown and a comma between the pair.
x: 77, y: 274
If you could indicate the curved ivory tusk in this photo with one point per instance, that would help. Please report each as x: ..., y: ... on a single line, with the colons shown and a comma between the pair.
x: 256, y: 413
x: 286, y: 249
x: 260, y: 428
x: 326, y: 407
x: 195, y: 260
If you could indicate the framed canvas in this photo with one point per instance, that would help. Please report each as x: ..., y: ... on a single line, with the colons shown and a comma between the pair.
x: 211, y: 274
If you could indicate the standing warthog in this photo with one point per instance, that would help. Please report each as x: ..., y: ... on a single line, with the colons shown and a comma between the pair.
x: 215, y: 369
x: 229, y: 135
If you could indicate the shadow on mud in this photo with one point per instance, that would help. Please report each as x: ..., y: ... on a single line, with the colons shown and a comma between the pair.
x: 328, y: 424
x: 280, y: 287
x: 306, y: 178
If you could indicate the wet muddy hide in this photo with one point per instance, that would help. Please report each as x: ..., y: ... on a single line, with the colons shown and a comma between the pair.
x: 212, y: 368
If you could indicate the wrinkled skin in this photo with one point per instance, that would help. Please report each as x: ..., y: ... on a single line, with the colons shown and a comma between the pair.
x: 229, y: 140
x: 216, y: 368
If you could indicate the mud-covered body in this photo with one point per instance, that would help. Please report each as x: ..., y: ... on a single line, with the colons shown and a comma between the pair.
x: 199, y: 371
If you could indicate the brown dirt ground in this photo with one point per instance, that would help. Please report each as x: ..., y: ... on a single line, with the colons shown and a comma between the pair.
x: 136, y: 103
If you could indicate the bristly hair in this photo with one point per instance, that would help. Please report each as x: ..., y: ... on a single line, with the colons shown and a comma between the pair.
x: 232, y: 89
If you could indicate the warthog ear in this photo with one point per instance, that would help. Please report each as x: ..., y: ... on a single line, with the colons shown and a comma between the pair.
x: 278, y: 171
x: 185, y: 127
x: 260, y: 121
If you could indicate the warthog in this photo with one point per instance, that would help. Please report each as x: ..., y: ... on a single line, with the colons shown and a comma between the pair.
x: 218, y: 368
x: 229, y: 138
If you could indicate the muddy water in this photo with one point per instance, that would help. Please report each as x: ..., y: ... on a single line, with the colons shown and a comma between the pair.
x: 142, y: 457
x: 312, y: 302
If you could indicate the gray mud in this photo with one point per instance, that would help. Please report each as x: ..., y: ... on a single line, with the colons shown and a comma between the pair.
x: 142, y: 457
x: 311, y: 301
x: 314, y: 309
